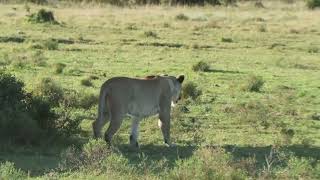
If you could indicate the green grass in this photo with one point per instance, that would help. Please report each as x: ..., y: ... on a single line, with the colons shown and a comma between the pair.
x: 240, y: 127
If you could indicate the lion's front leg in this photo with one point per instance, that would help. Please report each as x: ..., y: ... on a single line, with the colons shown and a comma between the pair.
x: 164, y: 124
x: 134, y: 132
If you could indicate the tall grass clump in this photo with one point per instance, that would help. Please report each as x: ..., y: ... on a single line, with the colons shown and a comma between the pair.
x: 312, y: 4
x: 59, y: 67
x: 253, y: 84
x: 207, y: 163
x: 80, y: 100
x: 201, y: 66
x: 91, y: 156
x: 42, y: 16
x: 151, y: 34
x: 86, y: 82
x: 182, y: 17
x: 257, y: 114
x: 9, y: 171
x: 50, y: 44
x: 190, y: 90
x: 38, y: 58
x: 49, y: 90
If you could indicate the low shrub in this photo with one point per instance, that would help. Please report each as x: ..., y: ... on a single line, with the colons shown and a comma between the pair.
x: 312, y: 4
x: 201, y: 66
x: 151, y: 34
x: 208, y: 163
x: 23, y: 118
x: 253, y: 84
x: 50, y: 44
x: 66, y: 124
x: 86, y: 82
x: 49, y: 91
x: 76, y: 100
x: 228, y: 40
x: 90, y: 156
x: 59, y: 67
x: 9, y: 171
x: 38, y: 58
x: 182, y: 17
x: 42, y: 16
x: 190, y: 90
x: 32, y: 117
x: 257, y: 114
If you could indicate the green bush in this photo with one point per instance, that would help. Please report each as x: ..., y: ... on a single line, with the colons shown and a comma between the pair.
x: 190, y: 90
x: 206, y: 163
x: 228, y: 40
x: 14, y: 117
x: 201, y: 66
x: 254, y: 84
x: 312, y: 4
x: 40, y: 2
x: 50, y: 44
x: 86, y: 82
x: 59, y: 67
x: 49, y: 91
x: 66, y: 124
x: 38, y: 58
x: 23, y: 117
x: 151, y: 34
x: 91, y: 156
x: 42, y: 16
x: 8, y: 171
x: 31, y: 118
x: 76, y: 100
x: 182, y: 16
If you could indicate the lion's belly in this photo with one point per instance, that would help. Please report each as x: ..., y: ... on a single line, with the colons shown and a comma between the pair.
x: 142, y: 110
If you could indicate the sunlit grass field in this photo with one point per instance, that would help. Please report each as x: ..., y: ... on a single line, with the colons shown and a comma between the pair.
x: 228, y: 129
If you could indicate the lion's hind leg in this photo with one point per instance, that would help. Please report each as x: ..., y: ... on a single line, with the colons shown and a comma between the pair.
x: 97, y: 125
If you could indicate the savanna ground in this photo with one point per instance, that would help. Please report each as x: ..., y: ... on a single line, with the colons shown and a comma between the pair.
x: 228, y: 132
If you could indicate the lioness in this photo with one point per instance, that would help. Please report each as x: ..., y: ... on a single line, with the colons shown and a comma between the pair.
x: 137, y: 98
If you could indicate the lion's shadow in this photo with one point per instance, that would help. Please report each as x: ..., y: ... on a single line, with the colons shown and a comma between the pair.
x: 151, y: 154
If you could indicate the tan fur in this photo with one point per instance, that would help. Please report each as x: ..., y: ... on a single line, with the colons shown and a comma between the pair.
x: 137, y: 98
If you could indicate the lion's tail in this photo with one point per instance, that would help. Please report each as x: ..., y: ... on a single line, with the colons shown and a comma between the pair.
x: 102, y: 109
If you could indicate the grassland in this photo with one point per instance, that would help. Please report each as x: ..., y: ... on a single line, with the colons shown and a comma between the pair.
x: 228, y: 132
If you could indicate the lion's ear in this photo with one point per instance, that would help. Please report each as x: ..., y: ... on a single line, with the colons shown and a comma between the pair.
x: 180, y: 78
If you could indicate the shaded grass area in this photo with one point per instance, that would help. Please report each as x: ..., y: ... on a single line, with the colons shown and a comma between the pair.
x: 150, y: 154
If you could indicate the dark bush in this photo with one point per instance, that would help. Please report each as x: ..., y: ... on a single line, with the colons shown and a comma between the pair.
x: 228, y: 40
x: 86, y: 101
x: 50, y: 44
x: 38, y: 58
x: 190, y: 90
x: 254, y: 84
x: 49, y: 91
x: 41, y: 2
x: 91, y: 155
x: 16, y: 120
x: 66, y: 124
x: 182, y: 16
x: 59, y: 67
x: 42, y: 16
x: 76, y: 100
x: 201, y: 66
x: 312, y: 4
x: 151, y: 34
x: 30, y: 118
x: 86, y: 82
